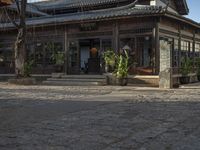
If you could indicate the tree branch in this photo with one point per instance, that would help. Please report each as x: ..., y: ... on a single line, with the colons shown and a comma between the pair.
x: 17, y: 5
x: 11, y: 20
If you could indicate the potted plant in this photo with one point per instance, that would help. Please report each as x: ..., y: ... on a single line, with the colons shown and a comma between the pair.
x: 59, y: 61
x: 28, y: 66
x: 186, y: 68
x: 109, y: 58
x: 122, y: 68
x: 26, y: 79
x: 198, y: 68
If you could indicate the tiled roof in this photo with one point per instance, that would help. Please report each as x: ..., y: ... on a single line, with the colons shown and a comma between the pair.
x: 94, y: 15
x: 29, y: 9
x: 70, y: 4
x: 59, y: 4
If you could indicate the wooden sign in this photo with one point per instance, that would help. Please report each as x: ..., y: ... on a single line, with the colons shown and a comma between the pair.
x: 88, y: 27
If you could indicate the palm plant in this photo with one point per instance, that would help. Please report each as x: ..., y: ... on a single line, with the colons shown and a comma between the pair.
x: 122, y: 67
x: 110, y: 60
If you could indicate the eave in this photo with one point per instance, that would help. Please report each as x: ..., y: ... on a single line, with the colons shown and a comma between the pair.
x: 182, y: 7
x: 182, y: 19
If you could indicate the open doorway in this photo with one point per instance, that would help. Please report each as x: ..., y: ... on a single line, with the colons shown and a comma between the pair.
x: 89, y: 56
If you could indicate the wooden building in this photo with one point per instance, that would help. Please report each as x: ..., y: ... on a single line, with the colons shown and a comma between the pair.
x: 155, y: 33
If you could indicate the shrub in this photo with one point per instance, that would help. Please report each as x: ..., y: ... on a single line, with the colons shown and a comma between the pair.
x: 186, y: 67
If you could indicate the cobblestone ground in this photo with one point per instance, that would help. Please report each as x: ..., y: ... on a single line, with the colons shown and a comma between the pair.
x: 99, y: 118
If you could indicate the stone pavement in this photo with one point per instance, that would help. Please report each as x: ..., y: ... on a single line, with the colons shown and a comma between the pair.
x: 99, y: 118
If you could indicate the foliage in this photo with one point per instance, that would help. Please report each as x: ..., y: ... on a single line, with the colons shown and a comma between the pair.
x: 186, y: 67
x: 58, y: 58
x: 28, y: 68
x: 109, y: 58
x: 198, y: 66
x: 122, y: 66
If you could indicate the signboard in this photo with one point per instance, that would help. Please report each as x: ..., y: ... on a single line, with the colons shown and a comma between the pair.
x: 88, y: 27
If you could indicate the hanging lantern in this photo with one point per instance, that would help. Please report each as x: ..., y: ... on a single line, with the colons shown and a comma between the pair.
x: 93, y: 52
x: 5, y: 2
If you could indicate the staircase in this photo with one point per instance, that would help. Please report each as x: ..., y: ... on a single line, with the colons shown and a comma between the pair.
x: 98, y: 80
x: 76, y: 80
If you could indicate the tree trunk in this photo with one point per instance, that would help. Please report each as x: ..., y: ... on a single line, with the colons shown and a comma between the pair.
x: 20, y: 44
x: 20, y: 52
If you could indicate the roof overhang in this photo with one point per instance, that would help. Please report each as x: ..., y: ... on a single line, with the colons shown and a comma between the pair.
x: 182, y: 7
x: 102, y: 15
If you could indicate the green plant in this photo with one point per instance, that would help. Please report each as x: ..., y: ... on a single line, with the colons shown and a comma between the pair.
x: 186, y: 66
x: 198, y: 66
x: 58, y: 58
x: 122, y: 65
x: 109, y: 58
x: 28, y: 68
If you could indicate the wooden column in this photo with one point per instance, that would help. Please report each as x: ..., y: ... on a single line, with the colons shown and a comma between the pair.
x: 66, y: 49
x: 157, y: 49
x: 116, y: 36
x: 193, y: 48
x: 179, y: 47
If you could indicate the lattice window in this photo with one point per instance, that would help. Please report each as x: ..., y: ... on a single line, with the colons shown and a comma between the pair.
x: 196, y: 52
x: 176, y: 53
x: 184, y: 48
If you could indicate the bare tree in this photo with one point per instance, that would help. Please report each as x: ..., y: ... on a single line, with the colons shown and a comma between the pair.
x: 20, y: 43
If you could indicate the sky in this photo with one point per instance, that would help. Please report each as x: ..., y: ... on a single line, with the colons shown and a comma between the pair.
x: 194, y: 6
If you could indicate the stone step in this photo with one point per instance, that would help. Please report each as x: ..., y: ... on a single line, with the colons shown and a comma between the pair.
x: 80, y: 76
x: 72, y: 83
x: 77, y: 79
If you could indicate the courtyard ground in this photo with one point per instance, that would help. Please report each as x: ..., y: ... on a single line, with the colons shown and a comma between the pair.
x: 99, y: 118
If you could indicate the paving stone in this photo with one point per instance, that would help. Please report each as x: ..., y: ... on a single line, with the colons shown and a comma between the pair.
x: 99, y: 118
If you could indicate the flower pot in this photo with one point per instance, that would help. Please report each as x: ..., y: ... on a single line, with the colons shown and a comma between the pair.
x: 109, y: 69
x: 58, y: 68
x: 122, y: 81
x: 184, y: 80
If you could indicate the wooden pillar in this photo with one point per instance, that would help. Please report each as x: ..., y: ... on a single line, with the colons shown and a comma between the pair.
x: 193, y: 48
x: 157, y: 49
x: 116, y: 37
x: 179, y: 47
x: 66, y: 49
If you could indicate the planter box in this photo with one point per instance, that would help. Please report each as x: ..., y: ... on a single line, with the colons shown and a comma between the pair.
x: 112, y: 80
x: 22, y: 81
